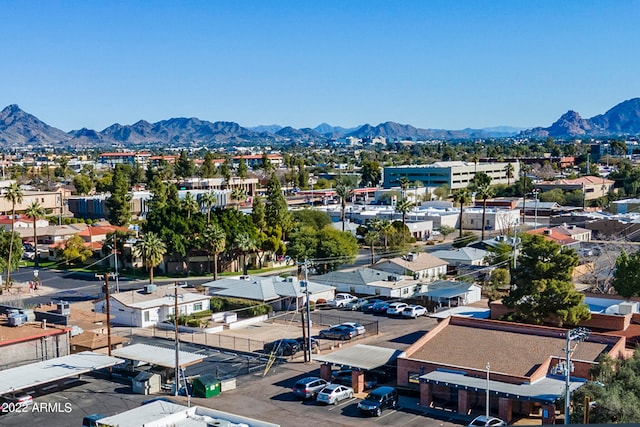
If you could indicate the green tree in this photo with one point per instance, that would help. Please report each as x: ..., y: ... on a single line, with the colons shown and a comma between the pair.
x: 404, y: 206
x: 184, y: 167
x: 83, y: 184
x: 509, y: 169
x: 442, y: 192
x: 276, y: 209
x: 152, y: 250
x: 258, y: 213
x: 14, y: 195
x: 371, y: 173
x: 208, y: 169
x: 461, y: 196
x: 626, y: 279
x: 7, y: 241
x: 74, y: 250
x: 244, y: 245
x: 238, y: 195
x: 35, y: 212
x: 370, y: 238
x: 544, y: 292
x: 242, y: 168
x: 215, y: 242
x: 327, y: 248
x: 385, y: 229
x: 119, y: 202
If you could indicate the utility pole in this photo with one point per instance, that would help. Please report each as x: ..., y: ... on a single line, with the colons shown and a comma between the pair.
x: 115, y: 256
x: 175, y: 323
x: 108, y: 296
x: 306, y: 287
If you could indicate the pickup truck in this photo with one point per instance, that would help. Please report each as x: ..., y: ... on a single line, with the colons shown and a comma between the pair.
x: 341, y: 300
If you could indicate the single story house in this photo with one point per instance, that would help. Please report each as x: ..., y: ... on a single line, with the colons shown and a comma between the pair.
x: 451, y: 293
x: 462, y: 256
x: 421, y: 266
x: 367, y: 281
x: 282, y: 294
x: 149, y: 307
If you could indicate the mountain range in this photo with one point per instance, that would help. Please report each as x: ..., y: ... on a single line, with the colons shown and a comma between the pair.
x: 21, y: 129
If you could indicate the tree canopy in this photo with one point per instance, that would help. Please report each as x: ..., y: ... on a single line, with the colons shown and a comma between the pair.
x: 626, y: 279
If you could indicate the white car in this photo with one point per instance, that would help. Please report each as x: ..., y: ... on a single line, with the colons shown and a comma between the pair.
x: 483, y: 421
x: 341, y: 300
x: 395, y: 309
x: 333, y: 393
x: 414, y: 311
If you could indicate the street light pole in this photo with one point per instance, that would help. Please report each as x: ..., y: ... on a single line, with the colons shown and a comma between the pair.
x: 115, y: 256
x: 487, y: 403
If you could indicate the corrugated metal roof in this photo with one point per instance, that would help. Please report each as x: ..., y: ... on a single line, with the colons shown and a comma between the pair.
x: 361, y: 356
x: 160, y: 356
x: 22, y: 377
x: 546, y: 390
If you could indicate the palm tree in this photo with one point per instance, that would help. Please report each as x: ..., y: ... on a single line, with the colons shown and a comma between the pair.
x: 208, y: 201
x: 370, y: 239
x: 14, y: 195
x: 404, y: 206
x: 189, y: 204
x: 463, y: 197
x: 385, y: 228
x: 244, y: 244
x: 344, y: 192
x: 35, y: 212
x: 215, y: 241
x: 152, y: 249
x: 484, y: 192
x: 404, y: 184
x: 238, y: 194
x: 509, y: 171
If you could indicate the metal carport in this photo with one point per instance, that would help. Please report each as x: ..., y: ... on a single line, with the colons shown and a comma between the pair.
x: 362, y: 356
x: 35, y: 374
x: 159, y: 356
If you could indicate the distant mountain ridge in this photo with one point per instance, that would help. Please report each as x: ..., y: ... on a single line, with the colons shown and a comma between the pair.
x: 19, y: 128
x: 622, y: 119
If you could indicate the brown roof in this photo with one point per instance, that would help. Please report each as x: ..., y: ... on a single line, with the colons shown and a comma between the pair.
x: 423, y: 261
x: 515, y: 353
x: 95, y: 341
x: 26, y: 332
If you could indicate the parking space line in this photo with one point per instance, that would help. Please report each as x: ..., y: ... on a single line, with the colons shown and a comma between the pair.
x: 388, y: 413
x: 346, y: 401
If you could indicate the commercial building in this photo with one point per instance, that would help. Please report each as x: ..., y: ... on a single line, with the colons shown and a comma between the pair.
x: 455, y: 174
x: 592, y: 187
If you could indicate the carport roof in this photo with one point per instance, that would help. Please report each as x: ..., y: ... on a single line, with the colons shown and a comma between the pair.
x: 34, y: 374
x: 362, y: 356
x: 546, y: 390
x: 160, y: 356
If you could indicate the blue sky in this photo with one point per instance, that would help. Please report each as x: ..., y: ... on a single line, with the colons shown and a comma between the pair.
x: 432, y: 64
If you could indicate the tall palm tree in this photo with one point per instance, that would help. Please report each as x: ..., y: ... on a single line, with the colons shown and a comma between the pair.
x: 384, y: 227
x: 208, y: 201
x: 344, y: 192
x: 461, y: 196
x: 244, y: 244
x: 484, y: 192
x: 509, y: 170
x: 13, y: 194
x: 238, y: 194
x: 404, y: 206
x: 215, y: 241
x: 35, y: 212
x: 152, y: 249
x: 189, y: 204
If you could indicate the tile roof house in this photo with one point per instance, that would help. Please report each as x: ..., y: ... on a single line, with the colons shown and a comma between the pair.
x: 558, y: 236
x: 420, y: 266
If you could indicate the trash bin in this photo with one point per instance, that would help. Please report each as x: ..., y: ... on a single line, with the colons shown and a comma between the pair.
x: 206, y: 386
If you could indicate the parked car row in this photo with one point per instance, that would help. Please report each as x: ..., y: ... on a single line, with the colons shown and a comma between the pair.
x: 344, y: 331
x: 331, y: 393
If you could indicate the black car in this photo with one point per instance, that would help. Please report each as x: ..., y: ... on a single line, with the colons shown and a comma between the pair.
x: 379, y: 399
x: 368, y: 306
x: 282, y: 347
x: 302, y: 343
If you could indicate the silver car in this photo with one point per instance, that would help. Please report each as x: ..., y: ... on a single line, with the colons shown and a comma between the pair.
x: 333, y: 393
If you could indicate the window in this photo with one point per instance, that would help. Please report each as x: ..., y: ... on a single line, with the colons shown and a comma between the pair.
x: 352, y: 289
x: 197, y: 306
x: 146, y: 316
x: 377, y: 291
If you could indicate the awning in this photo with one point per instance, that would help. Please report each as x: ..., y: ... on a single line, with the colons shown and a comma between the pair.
x: 362, y: 356
x: 547, y: 390
x: 445, y: 292
x: 159, y: 356
x: 34, y: 374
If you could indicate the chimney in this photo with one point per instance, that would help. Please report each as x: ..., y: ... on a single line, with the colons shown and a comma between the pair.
x: 547, y: 232
x: 44, y: 323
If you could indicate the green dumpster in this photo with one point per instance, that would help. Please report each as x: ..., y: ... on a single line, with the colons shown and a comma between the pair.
x: 206, y: 386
